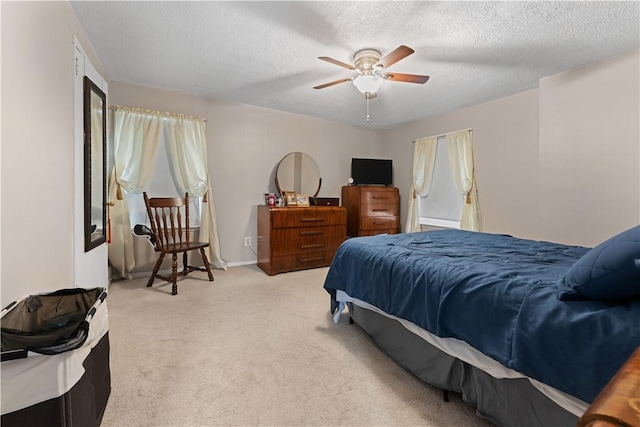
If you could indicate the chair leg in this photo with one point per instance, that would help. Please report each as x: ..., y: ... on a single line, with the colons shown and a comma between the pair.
x: 206, y: 264
x: 185, y: 270
x: 174, y: 274
x: 155, y: 269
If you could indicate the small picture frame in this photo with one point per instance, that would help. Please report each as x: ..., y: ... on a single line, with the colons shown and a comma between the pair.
x: 302, y: 199
x: 290, y: 198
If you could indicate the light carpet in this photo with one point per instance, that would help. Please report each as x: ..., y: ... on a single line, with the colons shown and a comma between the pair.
x: 253, y: 350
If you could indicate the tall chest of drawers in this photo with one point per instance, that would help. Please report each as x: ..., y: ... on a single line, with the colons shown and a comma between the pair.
x: 371, y: 210
x: 297, y: 238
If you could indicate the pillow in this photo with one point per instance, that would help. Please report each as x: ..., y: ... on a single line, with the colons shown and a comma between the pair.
x: 608, y: 272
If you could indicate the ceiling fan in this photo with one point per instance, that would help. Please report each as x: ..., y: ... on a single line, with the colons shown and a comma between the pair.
x: 371, y: 68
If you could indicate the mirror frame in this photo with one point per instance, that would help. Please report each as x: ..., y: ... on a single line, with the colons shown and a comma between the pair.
x: 281, y: 190
x: 93, y: 240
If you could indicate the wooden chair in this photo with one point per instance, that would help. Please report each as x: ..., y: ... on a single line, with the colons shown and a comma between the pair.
x: 171, y: 230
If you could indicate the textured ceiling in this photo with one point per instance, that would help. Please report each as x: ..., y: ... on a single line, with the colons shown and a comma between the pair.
x: 266, y: 53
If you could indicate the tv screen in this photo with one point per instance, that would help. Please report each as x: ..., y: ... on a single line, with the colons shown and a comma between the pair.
x: 372, y: 171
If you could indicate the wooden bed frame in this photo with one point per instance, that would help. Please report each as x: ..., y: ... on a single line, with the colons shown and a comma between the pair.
x: 618, y: 404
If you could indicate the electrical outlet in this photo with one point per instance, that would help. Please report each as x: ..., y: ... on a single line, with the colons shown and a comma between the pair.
x: 247, y: 241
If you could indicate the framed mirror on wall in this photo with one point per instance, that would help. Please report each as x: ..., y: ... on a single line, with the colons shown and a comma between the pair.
x: 299, y: 173
x: 95, y: 174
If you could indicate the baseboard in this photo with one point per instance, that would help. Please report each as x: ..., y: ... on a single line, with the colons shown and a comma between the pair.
x: 241, y: 263
x: 168, y: 272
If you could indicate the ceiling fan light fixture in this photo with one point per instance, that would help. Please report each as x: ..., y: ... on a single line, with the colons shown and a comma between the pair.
x: 368, y: 83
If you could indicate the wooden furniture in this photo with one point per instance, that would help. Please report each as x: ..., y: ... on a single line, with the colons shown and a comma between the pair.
x: 618, y: 404
x: 169, y: 218
x: 371, y: 210
x: 297, y: 238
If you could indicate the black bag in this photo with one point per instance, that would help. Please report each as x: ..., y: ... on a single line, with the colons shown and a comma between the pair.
x: 49, y: 323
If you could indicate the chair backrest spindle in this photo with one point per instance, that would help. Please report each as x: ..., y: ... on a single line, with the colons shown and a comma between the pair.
x: 172, y: 224
x: 168, y: 223
x: 186, y: 214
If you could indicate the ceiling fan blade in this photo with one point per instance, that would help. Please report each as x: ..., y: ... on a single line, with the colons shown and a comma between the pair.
x: 336, y: 62
x: 408, y: 78
x: 391, y: 58
x: 333, y: 83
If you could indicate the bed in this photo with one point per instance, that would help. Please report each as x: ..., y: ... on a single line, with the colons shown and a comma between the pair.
x: 527, y: 331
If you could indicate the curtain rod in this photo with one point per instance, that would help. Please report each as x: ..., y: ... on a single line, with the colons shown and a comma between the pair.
x: 445, y: 134
x: 157, y: 113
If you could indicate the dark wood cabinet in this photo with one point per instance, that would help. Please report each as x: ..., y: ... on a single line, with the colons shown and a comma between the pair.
x: 371, y: 210
x: 297, y: 238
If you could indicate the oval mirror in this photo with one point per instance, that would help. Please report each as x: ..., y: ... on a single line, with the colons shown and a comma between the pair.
x: 298, y: 172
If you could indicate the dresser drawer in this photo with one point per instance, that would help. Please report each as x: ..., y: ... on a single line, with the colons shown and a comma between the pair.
x: 307, y: 218
x: 302, y: 261
x: 380, y: 231
x: 307, y: 245
x: 380, y: 196
x: 307, y: 233
x: 379, y: 209
x: 378, y: 223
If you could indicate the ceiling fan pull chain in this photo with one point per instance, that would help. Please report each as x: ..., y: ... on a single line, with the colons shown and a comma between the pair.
x: 367, y: 96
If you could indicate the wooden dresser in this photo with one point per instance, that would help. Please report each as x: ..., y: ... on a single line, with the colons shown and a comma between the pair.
x: 296, y: 238
x: 371, y: 210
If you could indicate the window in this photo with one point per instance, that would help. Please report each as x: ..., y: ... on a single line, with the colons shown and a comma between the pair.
x: 161, y: 185
x: 443, y: 206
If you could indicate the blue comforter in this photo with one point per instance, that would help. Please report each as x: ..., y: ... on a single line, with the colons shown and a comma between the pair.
x: 497, y: 293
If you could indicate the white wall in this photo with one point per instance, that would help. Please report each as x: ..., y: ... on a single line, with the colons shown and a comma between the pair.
x: 245, y: 144
x: 590, y: 150
x: 37, y: 146
x: 505, y: 138
x: 90, y: 267
x: 559, y: 163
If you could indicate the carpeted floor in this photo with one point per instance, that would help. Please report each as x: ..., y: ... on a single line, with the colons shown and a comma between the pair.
x: 253, y: 350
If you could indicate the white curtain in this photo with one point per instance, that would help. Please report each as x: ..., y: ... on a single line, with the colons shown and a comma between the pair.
x: 136, y: 136
x: 461, y: 164
x: 187, y: 153
x: 424, y: 159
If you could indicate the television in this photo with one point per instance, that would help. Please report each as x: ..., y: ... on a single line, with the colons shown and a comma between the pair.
x: 372, y: 171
